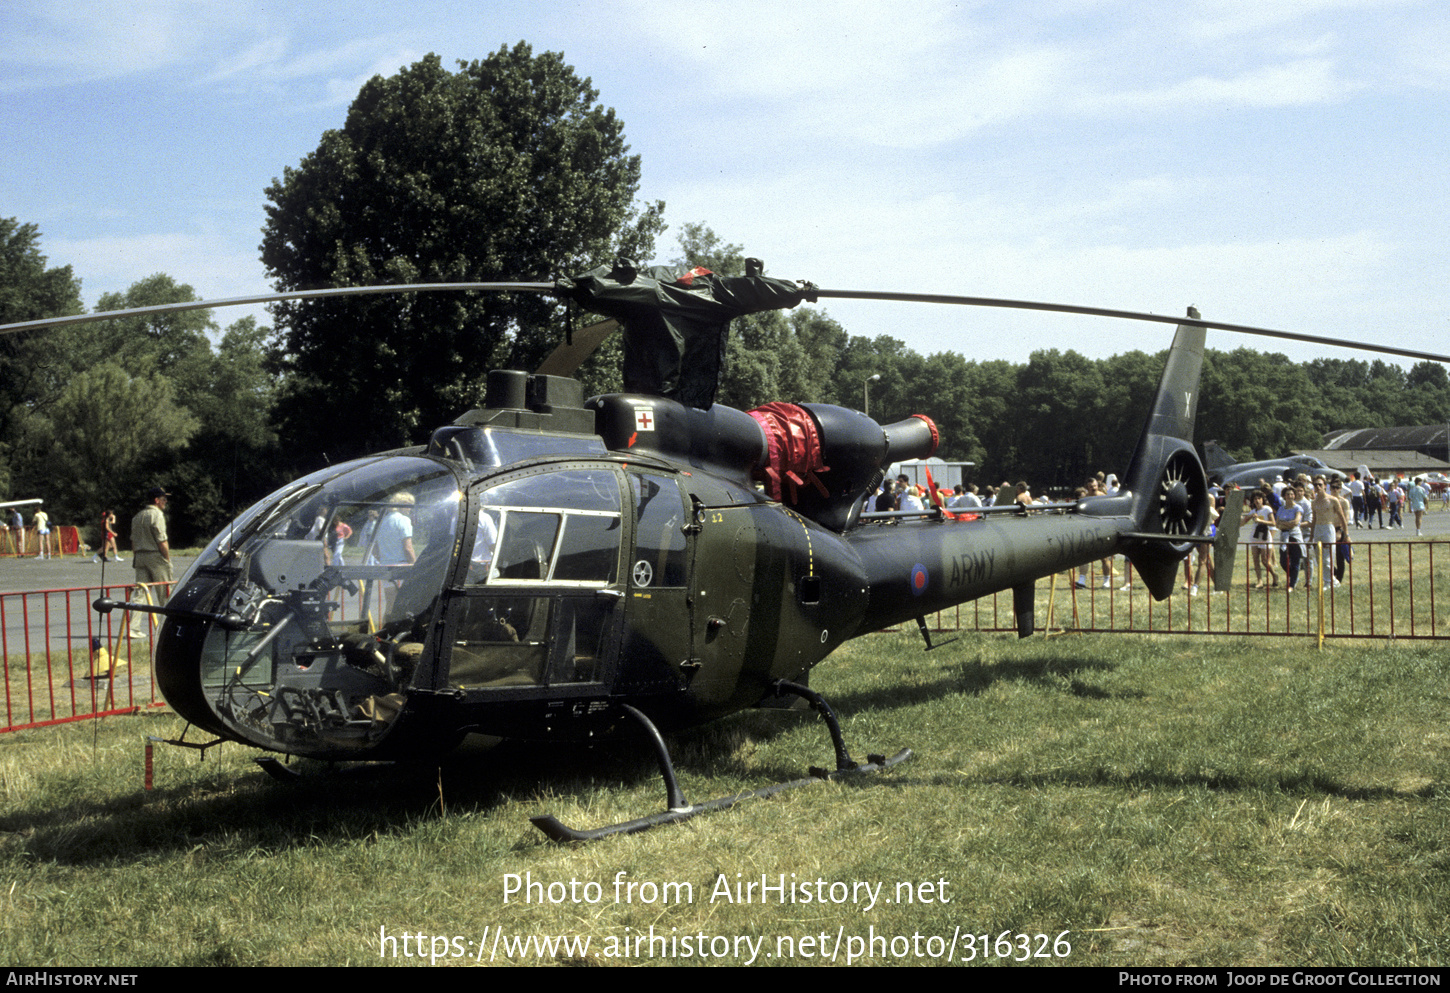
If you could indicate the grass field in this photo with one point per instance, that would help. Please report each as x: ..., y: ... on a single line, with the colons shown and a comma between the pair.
x: 1162, y: 800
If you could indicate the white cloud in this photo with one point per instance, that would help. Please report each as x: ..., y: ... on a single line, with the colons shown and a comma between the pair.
x: 1422, y: 57
x: 901, y: 77
x: 59, y: 41
x: 1037, y: 152
x: 342, y: 90
x: 1305, y: 81
x: 267, y: 53
x: 1215, y: 21
x: 784, y: 52
x: 235, y: 46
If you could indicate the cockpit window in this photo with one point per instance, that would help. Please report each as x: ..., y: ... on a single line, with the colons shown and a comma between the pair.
x: 482, y: 448
x: 535, y: 610
x: 560, y: 528
x: 659, y: 558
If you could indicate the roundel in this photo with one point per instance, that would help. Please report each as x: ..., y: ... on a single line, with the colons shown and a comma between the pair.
x: 919, y: 579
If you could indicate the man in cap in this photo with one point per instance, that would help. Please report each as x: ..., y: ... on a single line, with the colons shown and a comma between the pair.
x: 151, y: 550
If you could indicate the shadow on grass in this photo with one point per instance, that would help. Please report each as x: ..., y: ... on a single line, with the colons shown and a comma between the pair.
x: 327, y: 804
x: 331, y: 803
x: 973, y: 678
x: 323, y: 804
x: 1297, y: 783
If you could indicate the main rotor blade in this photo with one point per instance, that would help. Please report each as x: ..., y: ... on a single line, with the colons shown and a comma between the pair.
x: 176, y: 308
x: 566, y: 359
x: 965, y: 301
x: 1128, y: 315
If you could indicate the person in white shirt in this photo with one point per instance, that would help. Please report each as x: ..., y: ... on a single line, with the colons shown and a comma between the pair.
x: 1356, y: 497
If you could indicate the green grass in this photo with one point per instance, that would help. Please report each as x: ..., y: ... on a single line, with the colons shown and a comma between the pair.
x: 57, y: 687
x: 1165, y: 800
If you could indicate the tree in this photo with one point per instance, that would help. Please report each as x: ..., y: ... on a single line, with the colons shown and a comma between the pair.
x: 104, y: 434
x: 144, y: 401
x: 232, y: 459
x: 175, y: 344
x: 815, y: 348
x: 940, y: 390
x: 1428, y: 394
x: 1258, y: 405
x: 859, y: 359
x: 980, y: 429
x: 1130, y: 383
x: 1058, y: 413
x: 505, y: 170
x: 33, y: 363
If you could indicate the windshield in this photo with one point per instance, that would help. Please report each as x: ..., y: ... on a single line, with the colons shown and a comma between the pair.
x: 338, y: 578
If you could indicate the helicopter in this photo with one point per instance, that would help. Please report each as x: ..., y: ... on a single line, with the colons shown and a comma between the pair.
x: 552, y: 567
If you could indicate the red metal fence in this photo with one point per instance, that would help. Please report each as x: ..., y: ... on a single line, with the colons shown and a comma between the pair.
x: 62, y: 661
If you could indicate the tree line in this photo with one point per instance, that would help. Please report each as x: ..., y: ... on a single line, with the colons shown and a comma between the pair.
x: 92, y: 416
x: 509, y: 169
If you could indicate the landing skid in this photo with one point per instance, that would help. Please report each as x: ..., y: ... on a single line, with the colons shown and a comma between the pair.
x: 679, y: 810
x: 293, y: 777
x: 278, y: 771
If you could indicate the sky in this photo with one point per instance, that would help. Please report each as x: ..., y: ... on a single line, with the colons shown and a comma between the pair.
x: 1276, y: 163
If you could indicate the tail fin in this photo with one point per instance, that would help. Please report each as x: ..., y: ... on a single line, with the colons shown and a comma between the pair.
x: 1169, y: 486
x: 1215, y: 457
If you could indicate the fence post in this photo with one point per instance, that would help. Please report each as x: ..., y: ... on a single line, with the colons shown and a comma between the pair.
x: 1319, y: 589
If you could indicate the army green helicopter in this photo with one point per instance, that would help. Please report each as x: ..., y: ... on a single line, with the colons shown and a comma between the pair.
x: 556, y: 568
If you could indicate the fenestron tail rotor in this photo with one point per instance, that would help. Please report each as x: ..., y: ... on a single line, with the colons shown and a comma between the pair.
x: 1181, y: 493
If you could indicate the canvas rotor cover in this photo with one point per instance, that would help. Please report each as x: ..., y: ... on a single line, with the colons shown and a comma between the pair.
x: 676, y: 323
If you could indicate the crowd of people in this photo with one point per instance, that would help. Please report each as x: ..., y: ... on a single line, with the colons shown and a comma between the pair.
x: 1290, y: 517
x: 900, y: 494
x: 151, y: 550
x: 1288, y: 521
x: 1371, y: 498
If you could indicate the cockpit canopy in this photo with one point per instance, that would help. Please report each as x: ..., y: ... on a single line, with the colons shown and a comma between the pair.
x: 336, y: 581
x: 356, y: 586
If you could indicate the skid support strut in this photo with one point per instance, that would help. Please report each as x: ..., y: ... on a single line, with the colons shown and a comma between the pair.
x: 680, y: 810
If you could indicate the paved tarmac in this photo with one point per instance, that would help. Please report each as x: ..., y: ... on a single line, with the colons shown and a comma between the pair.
x: 63, y: 618
x: 71, y: 572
